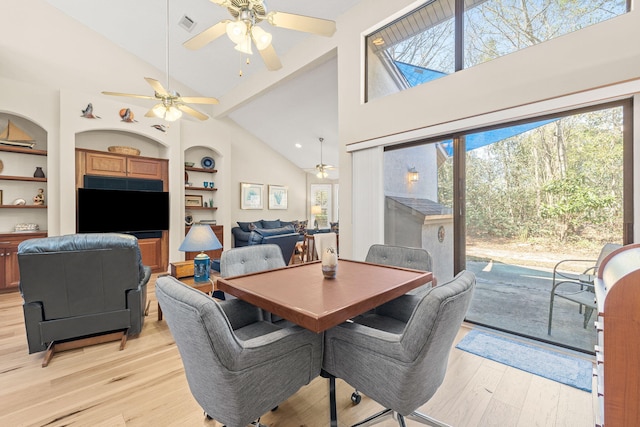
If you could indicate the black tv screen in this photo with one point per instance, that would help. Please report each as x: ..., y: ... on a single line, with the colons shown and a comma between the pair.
x: 122, y: 211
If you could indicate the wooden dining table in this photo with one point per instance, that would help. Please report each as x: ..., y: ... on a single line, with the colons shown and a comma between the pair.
x: 301, y: 294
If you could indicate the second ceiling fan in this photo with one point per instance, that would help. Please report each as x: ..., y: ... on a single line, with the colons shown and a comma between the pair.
x: 170, y: 104
x: 243, y: 29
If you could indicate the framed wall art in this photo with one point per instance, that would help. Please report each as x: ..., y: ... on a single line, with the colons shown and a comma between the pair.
x: 251, y: 196
x: 192, y: 200
x: 277, y: 197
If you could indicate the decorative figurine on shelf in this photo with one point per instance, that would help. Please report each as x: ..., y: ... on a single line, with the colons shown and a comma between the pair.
x: 38, y: 199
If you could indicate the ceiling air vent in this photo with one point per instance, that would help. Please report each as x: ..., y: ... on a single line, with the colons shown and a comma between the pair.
x: 187, y: 23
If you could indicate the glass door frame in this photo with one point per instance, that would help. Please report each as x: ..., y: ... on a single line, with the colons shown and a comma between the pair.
x: 459, y: 174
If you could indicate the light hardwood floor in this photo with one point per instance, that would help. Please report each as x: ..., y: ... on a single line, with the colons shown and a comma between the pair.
x: 144, y: 385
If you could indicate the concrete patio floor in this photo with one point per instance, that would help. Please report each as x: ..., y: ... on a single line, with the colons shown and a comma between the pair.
x: 516, y: 298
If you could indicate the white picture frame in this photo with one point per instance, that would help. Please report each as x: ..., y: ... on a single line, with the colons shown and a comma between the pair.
x: 251, y: 195
x: 278, y: 197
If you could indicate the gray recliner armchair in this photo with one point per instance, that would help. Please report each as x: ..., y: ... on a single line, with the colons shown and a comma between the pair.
x: 79, y: 286
x: 238, y: 366
x: 398, y: 354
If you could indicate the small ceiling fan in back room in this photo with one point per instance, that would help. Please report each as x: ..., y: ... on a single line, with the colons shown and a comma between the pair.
x: 243, y: 29
x: 171, y: 104
x: 322, y: 168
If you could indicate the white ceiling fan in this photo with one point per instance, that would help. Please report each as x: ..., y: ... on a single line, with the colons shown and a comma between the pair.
x: 243, y: 29
x: 171, y: 104
x: 322, y: 168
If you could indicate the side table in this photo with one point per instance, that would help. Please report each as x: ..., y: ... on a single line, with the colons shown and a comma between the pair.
x: 183, y: 271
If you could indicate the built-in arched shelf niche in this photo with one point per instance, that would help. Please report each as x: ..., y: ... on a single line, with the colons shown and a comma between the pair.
x: 17, y: 181
x: 101, y: 140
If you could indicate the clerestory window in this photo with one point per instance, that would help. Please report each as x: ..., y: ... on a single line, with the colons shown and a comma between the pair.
x: 435, y: 39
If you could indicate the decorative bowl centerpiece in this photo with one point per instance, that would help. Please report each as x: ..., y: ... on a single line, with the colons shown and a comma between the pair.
x: 189, y: 164
x: 130, y: 151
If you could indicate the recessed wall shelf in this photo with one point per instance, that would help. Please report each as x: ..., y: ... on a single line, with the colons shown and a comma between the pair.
x: 23, y: 206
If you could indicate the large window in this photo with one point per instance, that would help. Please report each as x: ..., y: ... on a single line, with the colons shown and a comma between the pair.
x: 530, y: 195
x: 321, y: 212
x: 436, y: 39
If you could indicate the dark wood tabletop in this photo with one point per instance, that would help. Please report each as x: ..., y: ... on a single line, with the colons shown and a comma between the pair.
x: 301, y: 294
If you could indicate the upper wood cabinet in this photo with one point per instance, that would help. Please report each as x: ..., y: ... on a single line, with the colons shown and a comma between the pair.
x: 140, y: 167
x: 110, y: 164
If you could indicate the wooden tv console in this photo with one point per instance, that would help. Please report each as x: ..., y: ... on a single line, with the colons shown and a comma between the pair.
x: 617, y: 371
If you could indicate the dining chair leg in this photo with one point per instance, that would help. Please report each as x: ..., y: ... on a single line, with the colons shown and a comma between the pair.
x: 426, y: 419
x: 375, y: 418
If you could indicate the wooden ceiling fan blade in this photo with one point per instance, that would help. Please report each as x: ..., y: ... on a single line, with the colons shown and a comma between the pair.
x: 191, y: 111
x: 157, y: 86
x: 307, y: 24
x: 207, y: 36
x: 270, y: 58
x: 130, y: 95
x: 199, y: 100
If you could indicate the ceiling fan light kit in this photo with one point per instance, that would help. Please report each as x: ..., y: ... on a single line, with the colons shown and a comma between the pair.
x: 237, y: 31
x: 171, y: 105
x: 243, y: 29
x: 168, y: 112
x: 261, y: 38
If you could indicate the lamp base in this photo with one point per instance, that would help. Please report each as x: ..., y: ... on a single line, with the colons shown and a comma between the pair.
x: 201, y: 267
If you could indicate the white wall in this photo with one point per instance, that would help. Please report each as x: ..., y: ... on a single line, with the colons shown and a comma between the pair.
x: 52, y: 67
x: 504, y: 89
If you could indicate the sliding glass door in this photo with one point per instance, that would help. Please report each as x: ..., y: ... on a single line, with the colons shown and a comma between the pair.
x: 531, y: 194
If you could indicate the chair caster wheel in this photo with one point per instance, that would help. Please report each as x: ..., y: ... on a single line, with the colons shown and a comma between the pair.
x: 356, y: 398
x: 274, y: 409
x: 207, y: 416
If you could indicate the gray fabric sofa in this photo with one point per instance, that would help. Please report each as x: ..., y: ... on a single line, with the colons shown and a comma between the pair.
x: 242, y: 233
x: 277, y: 232
x: 79, y: 285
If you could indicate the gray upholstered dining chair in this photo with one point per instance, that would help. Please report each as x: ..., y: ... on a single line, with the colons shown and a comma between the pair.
x: 399, y: 256
x: 237, y: 365
x: 398, y: 354
x: 252, y: 259
x: 402, y: 256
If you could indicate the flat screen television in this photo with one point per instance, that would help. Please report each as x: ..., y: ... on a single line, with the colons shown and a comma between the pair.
x: 122, y: 211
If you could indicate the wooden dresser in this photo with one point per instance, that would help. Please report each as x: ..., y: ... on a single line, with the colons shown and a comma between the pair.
x: 617, y: 390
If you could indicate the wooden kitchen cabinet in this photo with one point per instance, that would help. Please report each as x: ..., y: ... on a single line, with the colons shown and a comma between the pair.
x: 9, y: 270
x: 112, y: 164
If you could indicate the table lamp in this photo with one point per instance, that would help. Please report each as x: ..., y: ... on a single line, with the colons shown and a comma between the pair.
x: 200, y: 238
x: 315, y: 210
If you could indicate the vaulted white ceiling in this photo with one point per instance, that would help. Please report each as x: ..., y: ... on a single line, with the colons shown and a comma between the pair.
x: 298, y: 110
